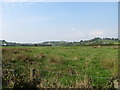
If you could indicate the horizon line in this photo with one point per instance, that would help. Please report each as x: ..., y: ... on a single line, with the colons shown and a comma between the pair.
x: 57, y: 40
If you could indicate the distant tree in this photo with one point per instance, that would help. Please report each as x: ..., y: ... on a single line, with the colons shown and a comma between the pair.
x: 3, y: 41
x: 113, y: 39
x: 81, y: 41
x: 108, y: 38
x: 35, y: 44
x: 116, y: 39
x: 97, y: 38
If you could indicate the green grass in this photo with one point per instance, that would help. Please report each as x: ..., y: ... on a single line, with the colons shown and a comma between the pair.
x: 64, y: 66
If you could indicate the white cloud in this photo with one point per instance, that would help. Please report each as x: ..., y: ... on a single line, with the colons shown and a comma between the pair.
x: 60, y: 0
x: 96, y: 33
x: 23, y: 0
x: 15, y: 4
x: 32, y: 20
x: 73, y: 29
x: 76, y: 35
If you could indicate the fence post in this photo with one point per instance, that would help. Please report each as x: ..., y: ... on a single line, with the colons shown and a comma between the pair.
x: 88, y: 81
x: 32, y: 73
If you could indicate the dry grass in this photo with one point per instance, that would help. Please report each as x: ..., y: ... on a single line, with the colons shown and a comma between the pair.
x: 109, y: 64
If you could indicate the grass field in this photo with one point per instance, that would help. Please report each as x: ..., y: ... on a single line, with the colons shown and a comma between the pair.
x: 63, y: 66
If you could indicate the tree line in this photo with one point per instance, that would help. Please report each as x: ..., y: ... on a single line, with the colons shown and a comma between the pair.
x: 94, y: 41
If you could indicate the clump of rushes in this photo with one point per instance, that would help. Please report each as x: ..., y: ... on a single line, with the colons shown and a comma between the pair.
x: 56, y: 59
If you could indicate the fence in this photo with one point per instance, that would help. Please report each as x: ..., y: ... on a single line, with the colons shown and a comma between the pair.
x: 86, y: 79
x: 53, y: 79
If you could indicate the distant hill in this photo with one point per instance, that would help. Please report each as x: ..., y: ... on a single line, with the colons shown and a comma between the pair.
x: 5, y: 43
x: 94, y: 41
x: 100, y: 41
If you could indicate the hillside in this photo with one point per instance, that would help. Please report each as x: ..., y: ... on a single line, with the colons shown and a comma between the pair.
x: 95, y: 41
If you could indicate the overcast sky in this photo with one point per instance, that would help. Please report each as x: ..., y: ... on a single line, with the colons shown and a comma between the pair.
x: 68, y: 21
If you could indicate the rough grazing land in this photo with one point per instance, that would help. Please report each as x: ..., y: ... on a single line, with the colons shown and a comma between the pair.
x: 64, y: 66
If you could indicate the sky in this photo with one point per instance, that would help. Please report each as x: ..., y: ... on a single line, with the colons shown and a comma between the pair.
x: 31, y: 22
